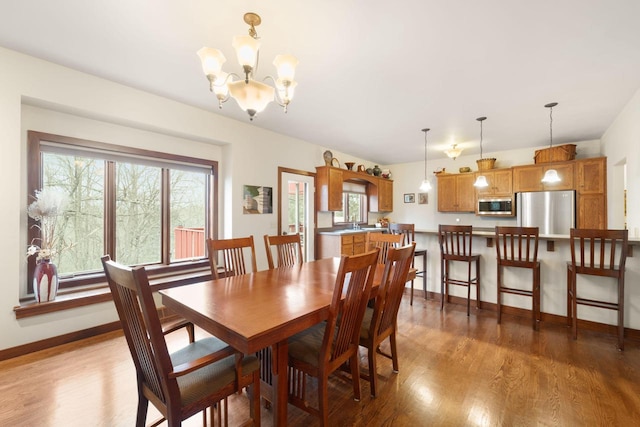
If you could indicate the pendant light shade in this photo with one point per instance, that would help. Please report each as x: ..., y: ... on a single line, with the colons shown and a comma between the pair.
x: 551, y: 176
x: 426, y: 185
x: 481, y: 180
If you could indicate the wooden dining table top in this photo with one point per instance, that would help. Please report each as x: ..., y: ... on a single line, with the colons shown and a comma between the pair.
x: 255, y: 310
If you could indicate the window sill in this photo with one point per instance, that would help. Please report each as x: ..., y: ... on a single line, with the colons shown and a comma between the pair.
x: 101, y: 293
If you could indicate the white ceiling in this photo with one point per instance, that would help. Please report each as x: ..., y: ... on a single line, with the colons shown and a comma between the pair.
x: 371, y: 75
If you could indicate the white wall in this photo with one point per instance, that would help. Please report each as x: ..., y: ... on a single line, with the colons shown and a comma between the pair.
x: 620, y: 144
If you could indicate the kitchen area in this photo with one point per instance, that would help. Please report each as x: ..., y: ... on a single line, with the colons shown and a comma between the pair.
x: 515, y: 197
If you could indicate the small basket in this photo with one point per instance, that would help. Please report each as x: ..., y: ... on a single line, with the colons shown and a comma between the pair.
x: 560, y: 153
x: 486, y: 164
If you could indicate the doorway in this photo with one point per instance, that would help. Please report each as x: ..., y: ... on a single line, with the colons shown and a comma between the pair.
x: 297, y: 207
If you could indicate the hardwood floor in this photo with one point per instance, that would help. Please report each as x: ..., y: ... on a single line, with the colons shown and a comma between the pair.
x: 454, y: 370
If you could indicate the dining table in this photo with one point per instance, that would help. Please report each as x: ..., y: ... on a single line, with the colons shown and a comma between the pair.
x: 259, y: 311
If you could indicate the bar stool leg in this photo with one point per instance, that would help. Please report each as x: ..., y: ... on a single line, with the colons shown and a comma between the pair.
x: 499, y: 285
x: 536, y: 298
x: 444, y: 266
x: 478, y: 304
x: 621, y: 312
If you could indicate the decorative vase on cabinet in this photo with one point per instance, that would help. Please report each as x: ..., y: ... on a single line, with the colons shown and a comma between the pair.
x: 45, y: 280
x: 376, y: 170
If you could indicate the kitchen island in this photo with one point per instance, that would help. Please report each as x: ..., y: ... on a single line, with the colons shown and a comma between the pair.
x: 553, y: 254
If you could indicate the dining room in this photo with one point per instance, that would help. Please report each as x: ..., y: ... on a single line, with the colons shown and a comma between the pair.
x: 154, y: 172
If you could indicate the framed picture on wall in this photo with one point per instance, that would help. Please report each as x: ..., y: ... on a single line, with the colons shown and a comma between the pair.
x: 409, y: 197
x: 257, y: 200
x: 423, y: 198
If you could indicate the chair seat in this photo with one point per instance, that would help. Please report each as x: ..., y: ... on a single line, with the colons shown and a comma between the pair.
x: 305, y: 346
x: 211, y: 378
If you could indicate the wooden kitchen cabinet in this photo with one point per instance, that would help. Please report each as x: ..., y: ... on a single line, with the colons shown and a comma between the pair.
x: 456, y: 193
x: 591, y: 192
x: 529, y: 177
x: 333, y: 245
x: 500, y: 183
x: 329, y: 184
x: 381, y: 196
x: 328, y: 188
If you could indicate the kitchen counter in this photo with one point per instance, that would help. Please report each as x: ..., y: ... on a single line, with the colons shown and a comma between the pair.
x: 351, y: 231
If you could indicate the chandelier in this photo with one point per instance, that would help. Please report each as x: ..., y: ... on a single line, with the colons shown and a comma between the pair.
x: 252, y: 95
x: 453, y: 152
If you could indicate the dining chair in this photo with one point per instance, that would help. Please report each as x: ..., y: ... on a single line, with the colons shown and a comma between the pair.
x: 379, y: 322
x: 382, y: 241
x: 233, y: 253
x: 288, y: 248
x: 455, y: 245
x: 408, y: 231
x: 183, y: 383
x: 518, y: 247
x: 601, y: 253
x: 323, y: 348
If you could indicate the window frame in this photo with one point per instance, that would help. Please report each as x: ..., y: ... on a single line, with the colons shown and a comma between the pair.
x: 78, y: 145
x: 364, y: 209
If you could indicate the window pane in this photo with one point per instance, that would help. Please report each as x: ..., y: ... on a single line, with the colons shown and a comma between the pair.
x: 354, y: 210
x: 81, y: 229
x: 138, y: 219
x: 188, y: 214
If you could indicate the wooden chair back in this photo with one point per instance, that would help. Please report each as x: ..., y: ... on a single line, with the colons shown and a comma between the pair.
x: 387, y: 303
x: 517, y: 246
x: 288, y: 249
x: 599, y: 252
x: 384, y: 242
x: 455, y: 241
x: 407, y: 231
x: 233, y: 253
x: 354, y: 281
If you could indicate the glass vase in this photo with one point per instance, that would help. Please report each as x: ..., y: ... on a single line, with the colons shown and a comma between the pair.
x: 45, y: 281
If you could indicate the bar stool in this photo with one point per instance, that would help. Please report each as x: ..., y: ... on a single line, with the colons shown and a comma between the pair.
x: 408, y: 232
x: 518, y: 247
x: 593, y: 252
x: 455, y: 245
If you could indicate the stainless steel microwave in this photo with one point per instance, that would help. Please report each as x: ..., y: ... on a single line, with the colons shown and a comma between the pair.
x: 503, y: 206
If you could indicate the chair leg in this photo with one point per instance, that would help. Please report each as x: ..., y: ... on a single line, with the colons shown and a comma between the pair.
x: 499, y: 300
x: 424, y: 274
x: 621, y: 313
x: 444, y: 265
x: 323, y: 399
x: 394, y: 351
x: 536, y: 298
x: 411, y: 299
x: 469, y: 288
x: 478, y: 303
x: 143, y: 406
x: 569, y: 305
x: 574, y: 305
x: 355, y: 374
x: 371, y: 350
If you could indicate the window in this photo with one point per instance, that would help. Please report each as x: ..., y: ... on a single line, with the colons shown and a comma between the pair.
x: 141, y: 207
x: 354, y: 205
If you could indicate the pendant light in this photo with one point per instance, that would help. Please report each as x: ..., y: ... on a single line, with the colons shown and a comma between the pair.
x: 426, y: 185
x: 551, y: 175
x: 481, y: 180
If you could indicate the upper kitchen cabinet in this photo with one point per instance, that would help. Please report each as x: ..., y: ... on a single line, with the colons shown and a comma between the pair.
x: 529, y: 178
x: 591, y: 192
x: 329, y: 185
x: 500, y: 183
x: 456, y: 192
x: 381, y: 196
x: 329, y: 188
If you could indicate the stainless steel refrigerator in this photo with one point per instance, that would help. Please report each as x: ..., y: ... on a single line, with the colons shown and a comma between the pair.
x: 554, y: 212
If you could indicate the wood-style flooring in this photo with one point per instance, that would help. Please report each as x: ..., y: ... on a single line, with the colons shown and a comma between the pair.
x: 454, y: 371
